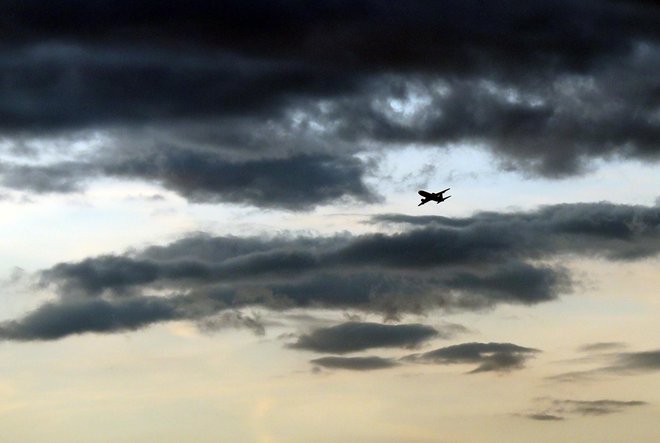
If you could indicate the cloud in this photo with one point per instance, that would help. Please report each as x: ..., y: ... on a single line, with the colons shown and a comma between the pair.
x: 468, y: 263
x: 294, y: 183
x: 617, y: 363
x: 550, y: 409
x: 354, y: 336
x: 515, y: 282
x: 54, y: 320
x: 236, y: 93
x: 74, y: 84
x: 573, y: 376
x: 455, y: 36
x: 62, y: 177
x: 601, y: 229
x: 355, y: 363
x: 497, y: 357
x: 602, y: 346
x: 597, y: 407
x: 486, y: 254
x: 544, y: 417
x: 636, y: 361
x: 232, y: 319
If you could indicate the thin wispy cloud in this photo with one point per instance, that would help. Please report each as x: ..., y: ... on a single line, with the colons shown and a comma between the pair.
x: 615, y: 364
x: 552, y: 409
x: 602, y: 347
x: 489, y: 357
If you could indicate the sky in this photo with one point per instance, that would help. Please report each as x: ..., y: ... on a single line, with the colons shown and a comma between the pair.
x: 212, y: 231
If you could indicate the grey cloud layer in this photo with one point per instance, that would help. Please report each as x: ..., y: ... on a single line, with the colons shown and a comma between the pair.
x: 454, y: 264
x: 55, y: 320
x: 544, y: 417
x: 305, y: 86
x: 489, y: 357
x: 618, y: 232
x: 498, y: 357
x: 353, y: 336
x: 355, y: 363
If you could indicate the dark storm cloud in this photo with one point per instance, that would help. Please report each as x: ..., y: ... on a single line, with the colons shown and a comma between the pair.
x: 550, y: 409
x: 375, y: 34
x: 297, y: 85
x: 499, y: 357
x: 61, y: 177
x: 51, y: 85
x: 353, y: 336
x: 294, y: 183
x: 355, y: 363
x: 548, y: 125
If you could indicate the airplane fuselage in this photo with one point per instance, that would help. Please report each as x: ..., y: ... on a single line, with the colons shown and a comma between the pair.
x: 433, y: 196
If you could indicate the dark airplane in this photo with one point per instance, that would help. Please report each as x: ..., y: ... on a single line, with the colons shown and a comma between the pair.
x: 437, y: 197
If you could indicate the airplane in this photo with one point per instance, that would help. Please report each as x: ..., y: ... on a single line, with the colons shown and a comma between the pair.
x: 437, y: 197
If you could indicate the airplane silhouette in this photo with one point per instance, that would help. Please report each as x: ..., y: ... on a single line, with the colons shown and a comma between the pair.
x: 433, y: 196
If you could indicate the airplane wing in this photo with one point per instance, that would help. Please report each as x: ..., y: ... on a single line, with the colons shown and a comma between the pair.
x: 444, y: 191
x: 424, y: 202
x: 424, y: 194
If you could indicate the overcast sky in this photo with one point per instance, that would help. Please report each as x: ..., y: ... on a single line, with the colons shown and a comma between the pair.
x: 211, y: 230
